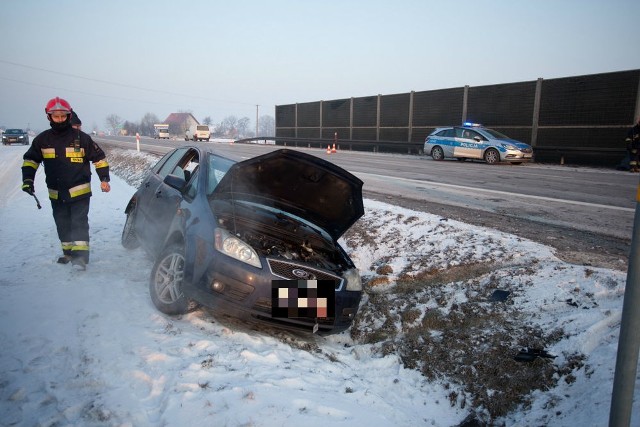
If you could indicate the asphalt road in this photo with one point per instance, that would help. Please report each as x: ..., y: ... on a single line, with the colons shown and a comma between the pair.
x: 587, y: 214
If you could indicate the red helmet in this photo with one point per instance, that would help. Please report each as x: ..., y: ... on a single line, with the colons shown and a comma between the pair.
x: 57, y: 104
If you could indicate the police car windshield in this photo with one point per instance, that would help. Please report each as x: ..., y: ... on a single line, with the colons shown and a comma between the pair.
x: 495, y: 134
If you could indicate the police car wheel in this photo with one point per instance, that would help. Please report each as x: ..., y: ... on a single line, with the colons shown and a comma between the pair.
x: 491, y: 156
x: 437, y: 153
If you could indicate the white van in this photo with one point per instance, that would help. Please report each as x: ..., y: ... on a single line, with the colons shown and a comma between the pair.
x: 202, y: 133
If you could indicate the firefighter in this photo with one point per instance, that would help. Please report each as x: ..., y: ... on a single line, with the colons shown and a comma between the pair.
x: 76, y: 123
x: 66, y: 154
x: 633, y: 146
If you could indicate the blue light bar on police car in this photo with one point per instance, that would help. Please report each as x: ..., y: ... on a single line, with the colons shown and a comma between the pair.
x: 474, y: 125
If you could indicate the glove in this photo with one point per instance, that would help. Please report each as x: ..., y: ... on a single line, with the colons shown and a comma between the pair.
x: 27, y: 186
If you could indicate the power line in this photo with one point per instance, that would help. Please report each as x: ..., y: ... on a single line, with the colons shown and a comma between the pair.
x: 117, y: 84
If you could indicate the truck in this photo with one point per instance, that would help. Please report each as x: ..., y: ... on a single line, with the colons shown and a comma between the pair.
x: 161, y: 131
x: 198, y: 133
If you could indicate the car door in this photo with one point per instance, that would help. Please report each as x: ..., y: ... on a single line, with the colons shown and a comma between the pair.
x: 158, y: 202
x: 468, y: 144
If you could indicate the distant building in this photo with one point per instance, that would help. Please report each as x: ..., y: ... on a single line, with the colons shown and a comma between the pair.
x: 180, y: 122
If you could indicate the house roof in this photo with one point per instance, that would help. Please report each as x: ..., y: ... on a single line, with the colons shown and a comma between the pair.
x: 180, y: 118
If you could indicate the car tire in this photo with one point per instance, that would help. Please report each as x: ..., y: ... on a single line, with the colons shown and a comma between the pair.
x: 165, y: 283
x: 491, y: 156
x: 437, y: 153
x: 129, y: 238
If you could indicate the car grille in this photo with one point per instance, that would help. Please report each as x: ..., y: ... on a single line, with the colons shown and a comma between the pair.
x: 293, y: 271
x: 527, y: 150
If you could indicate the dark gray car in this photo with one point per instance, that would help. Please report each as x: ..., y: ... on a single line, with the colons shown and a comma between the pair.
x: 15, y: 136
x: 256, y: 239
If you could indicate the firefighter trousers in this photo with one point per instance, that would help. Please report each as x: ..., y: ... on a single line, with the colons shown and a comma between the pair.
x: 72, y: 223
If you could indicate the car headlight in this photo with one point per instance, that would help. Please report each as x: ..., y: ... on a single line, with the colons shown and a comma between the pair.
x: 230, y: 245
x: 509, y: 146
x: 354, y: 282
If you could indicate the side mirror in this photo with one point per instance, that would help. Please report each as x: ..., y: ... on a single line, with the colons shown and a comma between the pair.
x: 477, y: 138
x: 175, y: 181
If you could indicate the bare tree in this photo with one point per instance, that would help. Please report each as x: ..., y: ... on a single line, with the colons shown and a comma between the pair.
x: 228, y: 126
x: 207, y: 121
x: 130, y: 128
x: 114, y: 123
x: 267, y: 126
x: 146, y: 124
x: 243, y: 126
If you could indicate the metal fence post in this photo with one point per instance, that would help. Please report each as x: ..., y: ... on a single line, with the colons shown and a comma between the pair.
x: 629, y: 340
x: 536, y: 113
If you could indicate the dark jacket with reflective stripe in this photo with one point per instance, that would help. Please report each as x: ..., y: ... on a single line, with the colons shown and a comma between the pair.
x: 66, y: 156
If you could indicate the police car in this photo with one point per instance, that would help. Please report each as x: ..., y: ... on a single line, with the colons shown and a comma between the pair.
x: 473, y: 141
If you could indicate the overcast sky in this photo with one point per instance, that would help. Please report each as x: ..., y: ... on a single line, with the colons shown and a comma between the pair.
x: 220, y: 58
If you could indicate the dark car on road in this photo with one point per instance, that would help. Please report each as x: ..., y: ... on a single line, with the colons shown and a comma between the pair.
x: 256, y: 239
x: 15, y: 136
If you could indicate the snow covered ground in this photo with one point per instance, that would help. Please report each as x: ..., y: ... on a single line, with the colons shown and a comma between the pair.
x: 89, y: 349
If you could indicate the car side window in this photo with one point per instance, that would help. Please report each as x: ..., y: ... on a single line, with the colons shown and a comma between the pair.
x: 467, y: 133
x: 191, y: 189
x: 170, y: 164
x: 471, y: 134
x: 447, y: 133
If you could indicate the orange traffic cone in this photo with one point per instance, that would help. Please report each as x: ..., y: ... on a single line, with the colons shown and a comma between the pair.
x: 333, y: 150
x: 328, y: 149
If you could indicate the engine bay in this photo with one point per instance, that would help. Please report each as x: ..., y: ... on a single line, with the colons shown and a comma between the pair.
x: 276, y: 235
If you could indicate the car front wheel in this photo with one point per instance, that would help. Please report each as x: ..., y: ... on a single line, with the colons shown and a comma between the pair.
x: 437, y: 153
x: 165, y: 284
x: 491, y: 156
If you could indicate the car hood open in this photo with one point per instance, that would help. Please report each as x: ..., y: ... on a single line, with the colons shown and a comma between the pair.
x: 300, y: 184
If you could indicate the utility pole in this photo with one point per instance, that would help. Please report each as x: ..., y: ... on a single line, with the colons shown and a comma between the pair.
x: 257, y: 120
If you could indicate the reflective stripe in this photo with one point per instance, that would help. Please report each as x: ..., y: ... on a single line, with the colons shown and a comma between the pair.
x: 80, y: 246
x: 76, y: 191
x: 66, y: 245
x: 71, y: 152
x: 31, y: 164
x: 48, y: 153
x: 101, y: 164
x: 79, y: 190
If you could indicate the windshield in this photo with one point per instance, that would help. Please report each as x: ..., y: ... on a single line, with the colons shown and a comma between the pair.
x: 13, y: 131
x: 217, y: 168
x: 495, y: 134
